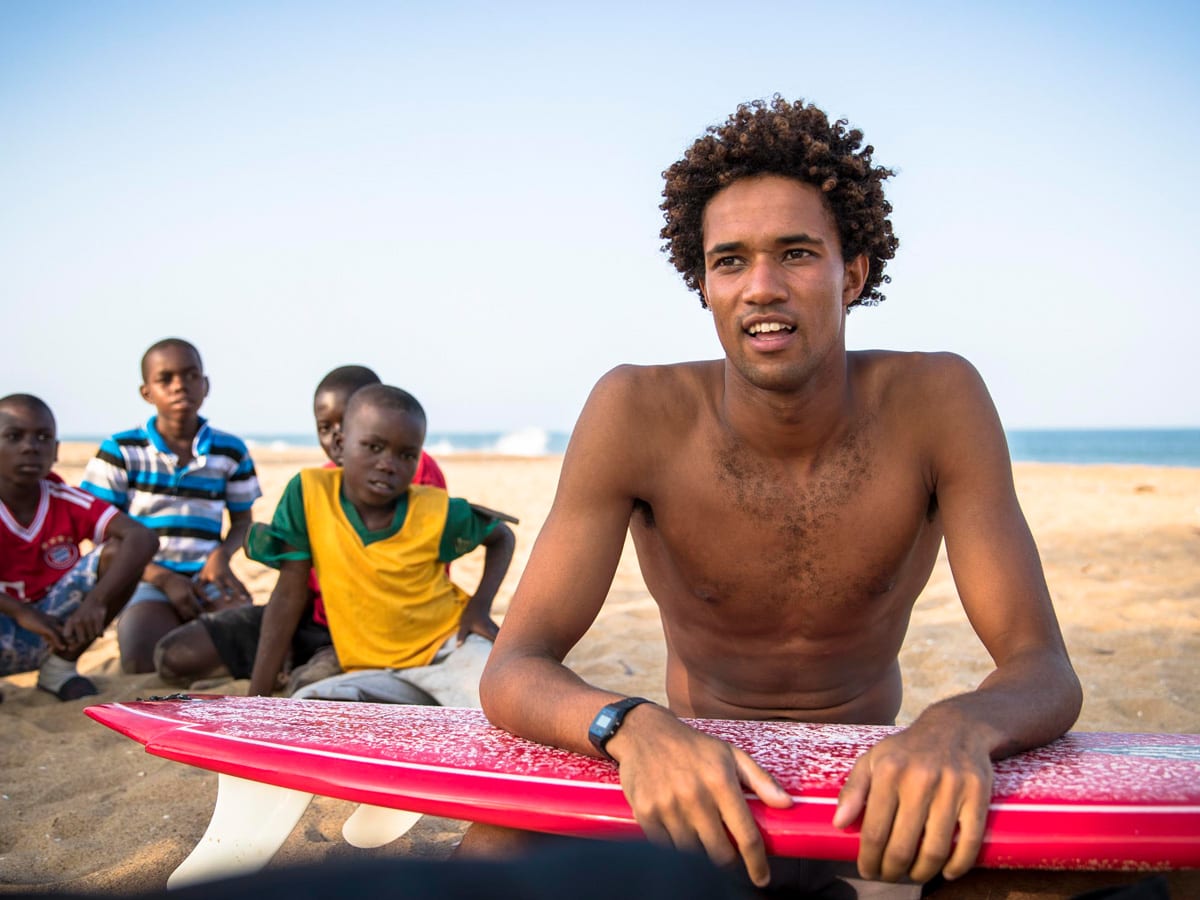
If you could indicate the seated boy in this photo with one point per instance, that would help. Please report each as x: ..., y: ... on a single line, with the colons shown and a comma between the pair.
x: 178, y: 476
x: 53, y: 604
x: 223, y: 643
x: 380, y: 545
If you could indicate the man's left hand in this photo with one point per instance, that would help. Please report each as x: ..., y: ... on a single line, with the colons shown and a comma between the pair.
x: 913, y: 790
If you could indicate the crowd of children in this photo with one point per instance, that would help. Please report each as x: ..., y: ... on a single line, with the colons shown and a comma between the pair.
x: 363, y: 608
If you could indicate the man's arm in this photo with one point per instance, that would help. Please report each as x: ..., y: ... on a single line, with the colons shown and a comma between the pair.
x: 477, y: 617
x: 916, y: 788
x: 279, y: 622
x: 684, y: 787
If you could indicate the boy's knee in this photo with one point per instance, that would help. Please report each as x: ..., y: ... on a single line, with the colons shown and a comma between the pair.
x: 170, y: 658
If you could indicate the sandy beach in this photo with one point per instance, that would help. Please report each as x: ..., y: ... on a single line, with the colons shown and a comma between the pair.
x: 84, y: 809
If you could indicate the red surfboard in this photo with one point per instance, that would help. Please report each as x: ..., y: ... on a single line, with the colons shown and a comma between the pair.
x: 1086, y: 801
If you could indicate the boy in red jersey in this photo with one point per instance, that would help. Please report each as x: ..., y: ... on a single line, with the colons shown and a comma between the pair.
x: 54, y: 604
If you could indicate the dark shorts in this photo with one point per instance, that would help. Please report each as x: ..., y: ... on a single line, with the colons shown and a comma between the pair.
x: 234, y: 632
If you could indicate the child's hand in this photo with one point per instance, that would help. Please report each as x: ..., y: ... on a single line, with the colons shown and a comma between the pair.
x: 46, y: 627
x: 85, y: 624
x: 181, y: 591
x: 218, y: 586
x: 481, y: 625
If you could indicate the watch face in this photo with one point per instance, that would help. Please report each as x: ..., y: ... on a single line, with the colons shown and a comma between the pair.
x: 608, y: 720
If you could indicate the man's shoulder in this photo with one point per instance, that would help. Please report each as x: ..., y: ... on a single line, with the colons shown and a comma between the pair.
x: 911, y: 377
x: 645, y: 388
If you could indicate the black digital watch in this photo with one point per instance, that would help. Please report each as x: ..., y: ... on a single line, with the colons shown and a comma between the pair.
x: 608, y: 720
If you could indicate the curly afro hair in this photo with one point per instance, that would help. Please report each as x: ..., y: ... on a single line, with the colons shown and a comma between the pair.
x: 797, y: 141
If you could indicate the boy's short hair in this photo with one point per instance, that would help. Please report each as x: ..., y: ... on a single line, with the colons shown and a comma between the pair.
x: 385, y: 396
x: 29, y: 401
x: 347, y: 380
x: 165, y: 344
x: 793, y: 140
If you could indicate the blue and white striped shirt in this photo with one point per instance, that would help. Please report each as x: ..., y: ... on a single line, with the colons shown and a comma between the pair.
x: 136, y: 472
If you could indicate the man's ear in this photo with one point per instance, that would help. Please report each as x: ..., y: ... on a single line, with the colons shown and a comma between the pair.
x: 700, y: 286
x: 55, y: 451
x: 144, y: 390
x: 206, y: 387
x: 855, y: 278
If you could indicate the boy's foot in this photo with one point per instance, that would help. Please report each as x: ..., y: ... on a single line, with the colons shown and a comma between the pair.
x: 74, y: 688
x: 323, y: 664
x: 58, y: 676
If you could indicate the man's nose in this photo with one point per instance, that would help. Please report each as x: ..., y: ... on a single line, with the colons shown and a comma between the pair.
x: 764, y: 282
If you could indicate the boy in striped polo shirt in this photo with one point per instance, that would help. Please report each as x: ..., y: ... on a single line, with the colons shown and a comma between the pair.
x: 178, y: 476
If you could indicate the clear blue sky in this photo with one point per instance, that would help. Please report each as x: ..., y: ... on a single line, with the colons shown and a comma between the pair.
x: 465, y: 196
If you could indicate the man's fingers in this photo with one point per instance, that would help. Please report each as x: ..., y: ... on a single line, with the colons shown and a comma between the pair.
x: 926, y: 852
x: 852, y: 799
x: 760, y: 781
x: 738, y: 823
x: 972, y: 823
x: 877, y: 820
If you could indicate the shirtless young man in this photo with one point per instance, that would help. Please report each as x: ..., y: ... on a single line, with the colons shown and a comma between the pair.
x: 787, y: 503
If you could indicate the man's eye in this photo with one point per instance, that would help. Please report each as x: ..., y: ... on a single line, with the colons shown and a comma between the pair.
x: 725, y: 261
x: 798, y: 253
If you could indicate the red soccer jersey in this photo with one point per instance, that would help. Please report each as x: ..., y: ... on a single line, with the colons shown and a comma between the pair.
x: 34, y: 557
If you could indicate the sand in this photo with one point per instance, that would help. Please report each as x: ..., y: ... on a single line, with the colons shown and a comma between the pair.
x: 84, y: 809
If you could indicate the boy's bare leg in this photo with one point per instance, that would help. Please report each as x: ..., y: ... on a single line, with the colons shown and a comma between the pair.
x: 139, y: 629
x: 188, y: 653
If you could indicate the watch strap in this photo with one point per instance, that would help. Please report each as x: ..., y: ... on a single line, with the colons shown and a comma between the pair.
x: 608, y: 720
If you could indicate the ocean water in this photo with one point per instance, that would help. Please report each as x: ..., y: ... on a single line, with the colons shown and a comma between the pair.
x: 521, y: 442
x: 1152, y: 447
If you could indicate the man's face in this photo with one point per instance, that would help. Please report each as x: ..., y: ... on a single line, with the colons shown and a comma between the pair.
x: 28, y: 447
x: 175, y: 383
x: 380, y: 447
x: 329, y: 408
x: 775, y: 280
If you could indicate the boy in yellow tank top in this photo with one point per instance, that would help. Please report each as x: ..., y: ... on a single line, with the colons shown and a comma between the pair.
x: 379, y: 545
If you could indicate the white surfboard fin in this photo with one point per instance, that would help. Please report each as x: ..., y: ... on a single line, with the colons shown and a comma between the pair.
x: 373, y: 826
x: 249, y: 823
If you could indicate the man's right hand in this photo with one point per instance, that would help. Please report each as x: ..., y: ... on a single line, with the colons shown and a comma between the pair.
x: 686, y: 789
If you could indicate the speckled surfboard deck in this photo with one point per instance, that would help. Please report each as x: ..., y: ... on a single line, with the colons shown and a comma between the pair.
x: 1086, y: 801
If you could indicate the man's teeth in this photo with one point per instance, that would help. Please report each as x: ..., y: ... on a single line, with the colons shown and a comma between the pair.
x: 766, y: 327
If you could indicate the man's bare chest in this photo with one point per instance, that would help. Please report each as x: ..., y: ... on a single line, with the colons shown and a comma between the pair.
x: 848, y: 530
